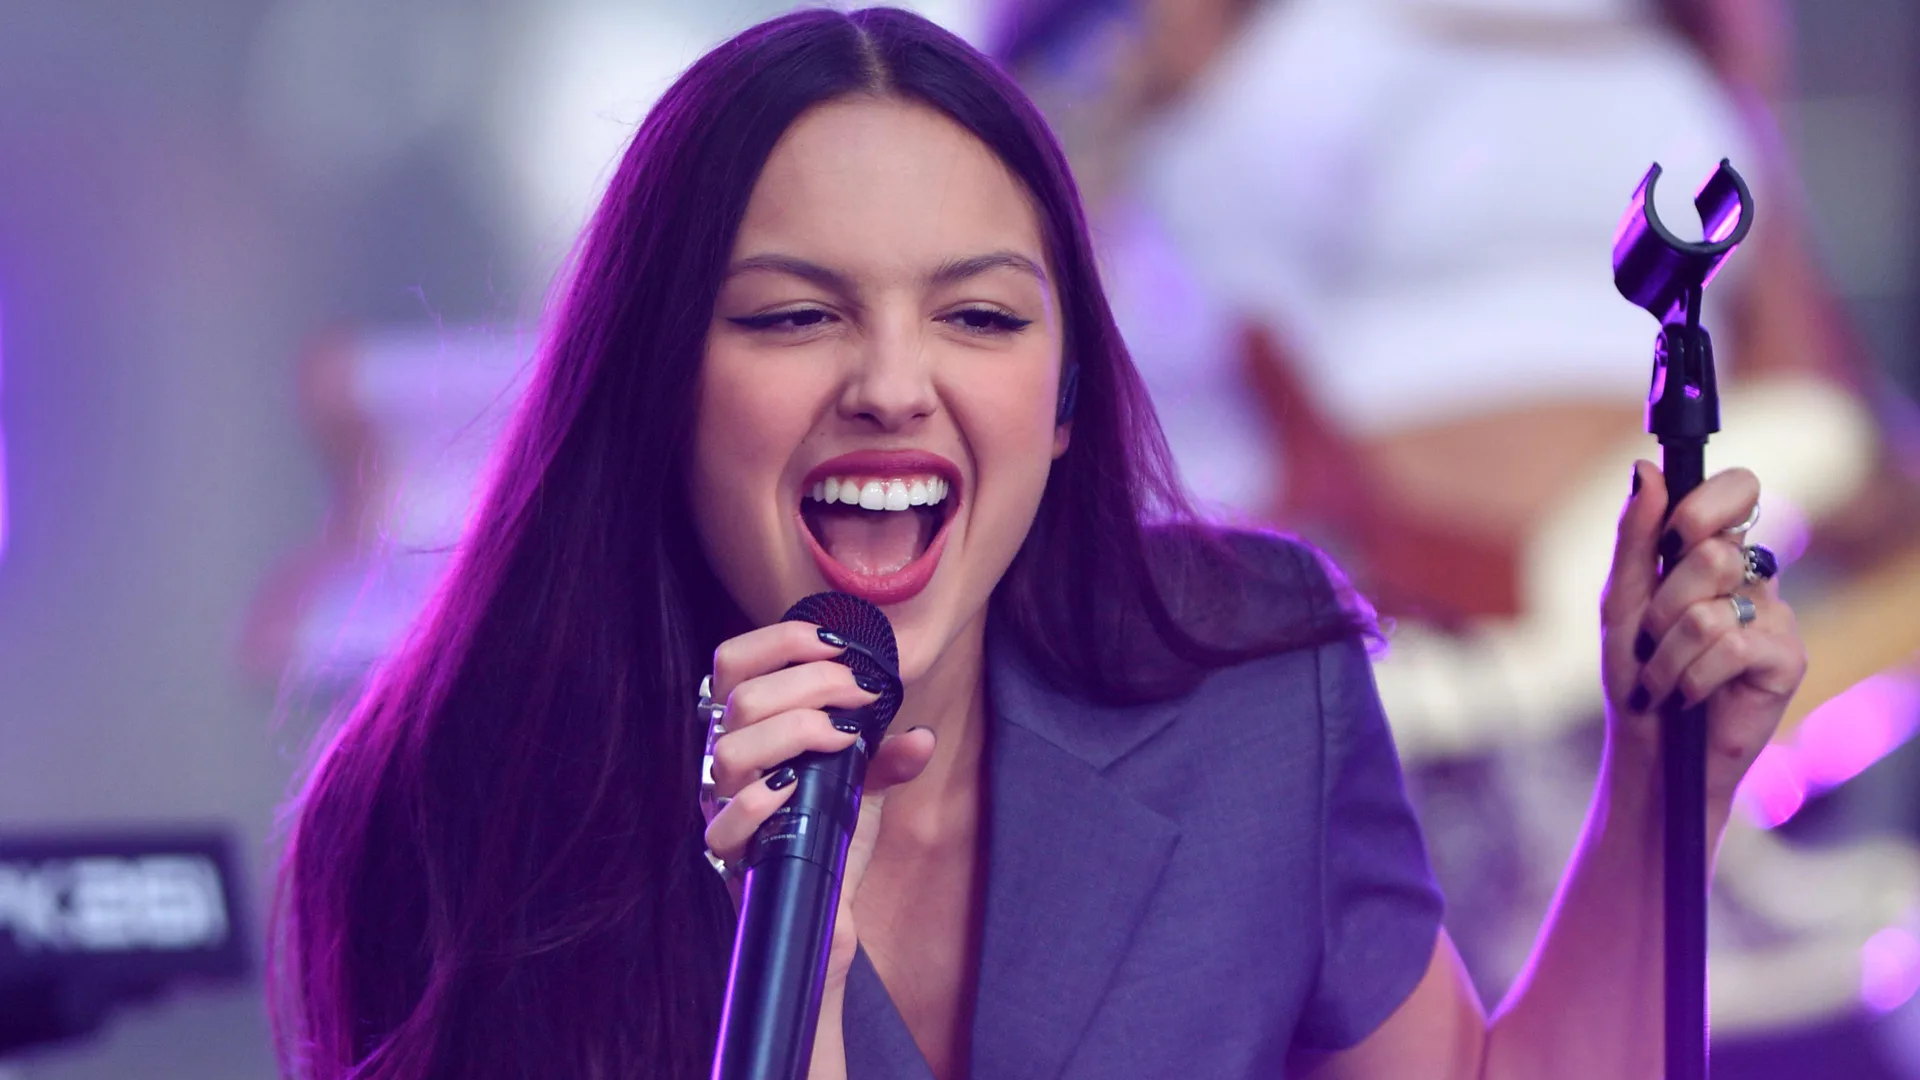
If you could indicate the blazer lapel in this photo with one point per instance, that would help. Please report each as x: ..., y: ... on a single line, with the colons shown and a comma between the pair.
x: 1072, y: 861
x: 879, y: 1044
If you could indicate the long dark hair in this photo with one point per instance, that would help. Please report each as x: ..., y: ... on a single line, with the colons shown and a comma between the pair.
x: 495, y: 866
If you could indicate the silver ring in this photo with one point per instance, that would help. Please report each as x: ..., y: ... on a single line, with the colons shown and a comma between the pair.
x: 715, y: 718
x: 712, y: 714
x: 727, y: 871
x: 1743, y: 609
x: 1759, y: 564
x: 1753, y: 518
x: 710, y: 801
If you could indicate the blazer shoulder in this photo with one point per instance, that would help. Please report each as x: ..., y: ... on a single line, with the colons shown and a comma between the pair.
x: 1318, y: 631
x: 1291, y: 573
x: 1258, y: 591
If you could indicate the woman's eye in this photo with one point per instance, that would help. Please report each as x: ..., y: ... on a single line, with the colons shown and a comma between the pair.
x: 988, y: 321
x: 797, y: 319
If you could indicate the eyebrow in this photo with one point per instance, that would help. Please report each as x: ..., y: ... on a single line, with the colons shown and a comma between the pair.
x: 958, y: 270
x: 950, y: 272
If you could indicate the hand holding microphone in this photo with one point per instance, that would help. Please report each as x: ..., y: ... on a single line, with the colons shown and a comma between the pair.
x: 798, y: 697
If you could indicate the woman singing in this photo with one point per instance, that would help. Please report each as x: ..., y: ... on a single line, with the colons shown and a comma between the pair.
x: 836, y: 326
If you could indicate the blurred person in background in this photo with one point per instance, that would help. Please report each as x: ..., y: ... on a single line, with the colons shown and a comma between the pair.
x: 848, y: 242
x: 1360, y: 251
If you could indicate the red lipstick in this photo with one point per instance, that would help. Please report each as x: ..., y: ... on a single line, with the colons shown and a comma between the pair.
x: 907, y: 582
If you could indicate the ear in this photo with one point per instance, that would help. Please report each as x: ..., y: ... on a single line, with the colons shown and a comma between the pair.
x: 1063, y: 406
x: 1062, y: 436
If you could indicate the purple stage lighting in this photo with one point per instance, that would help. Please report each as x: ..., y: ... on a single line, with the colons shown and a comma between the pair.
x: 1835, y: 743
x: 3, y: 433
x: 1889, y: 970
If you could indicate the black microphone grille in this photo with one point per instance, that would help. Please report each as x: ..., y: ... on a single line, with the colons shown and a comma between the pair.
x: 873, y: 650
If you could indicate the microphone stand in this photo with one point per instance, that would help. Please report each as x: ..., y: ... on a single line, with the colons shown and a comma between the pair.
x: 1668, y: 276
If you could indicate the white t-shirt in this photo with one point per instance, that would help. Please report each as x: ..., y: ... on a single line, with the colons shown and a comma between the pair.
x: 1426, y: 213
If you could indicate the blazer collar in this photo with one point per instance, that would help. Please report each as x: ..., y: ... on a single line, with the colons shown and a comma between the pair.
x: 1073, y: 859
x: 1097, y: 735
x: 1072, y: 862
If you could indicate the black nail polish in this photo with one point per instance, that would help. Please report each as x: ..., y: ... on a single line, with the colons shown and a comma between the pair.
x: 1643, y: 646
x: 846, y: 724
x: 1639, y: 699
x: 829, y: 637
x: 1636, y: 481
x: 781, y: 777
x: 870, y: 684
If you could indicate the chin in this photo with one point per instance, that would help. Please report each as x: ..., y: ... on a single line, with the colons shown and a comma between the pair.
x: 927, y: 631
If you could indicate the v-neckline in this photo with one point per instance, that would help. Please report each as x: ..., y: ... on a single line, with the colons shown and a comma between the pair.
x: 1064, y: 847
x: 958, y: 1013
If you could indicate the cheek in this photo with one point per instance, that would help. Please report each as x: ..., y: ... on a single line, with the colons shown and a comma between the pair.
x: 746, y: 430
x: 753, y: 413
x: 1012, y: 435
x: 731, y: 432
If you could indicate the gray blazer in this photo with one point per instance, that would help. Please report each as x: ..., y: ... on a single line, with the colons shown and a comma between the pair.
x: 1186, y: 889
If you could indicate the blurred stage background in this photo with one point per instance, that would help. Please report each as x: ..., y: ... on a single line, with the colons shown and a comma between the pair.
x: 269, y: 270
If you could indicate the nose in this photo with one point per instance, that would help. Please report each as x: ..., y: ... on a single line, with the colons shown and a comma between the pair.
x: 891, y: 387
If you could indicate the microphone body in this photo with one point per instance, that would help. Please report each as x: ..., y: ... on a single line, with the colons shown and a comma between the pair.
x: 794, y: 869
x: 780, y: 950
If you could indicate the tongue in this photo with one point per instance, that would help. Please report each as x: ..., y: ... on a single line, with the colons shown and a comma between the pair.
x: 875, y: 542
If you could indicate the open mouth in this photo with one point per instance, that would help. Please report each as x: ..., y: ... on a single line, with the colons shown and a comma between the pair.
x: 878, y: 535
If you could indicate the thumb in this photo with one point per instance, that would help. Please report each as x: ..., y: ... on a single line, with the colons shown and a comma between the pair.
x: 1636, y: 565
x: 900, y: 758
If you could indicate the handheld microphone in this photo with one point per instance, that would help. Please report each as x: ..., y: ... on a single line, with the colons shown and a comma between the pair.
x: 794, y: 867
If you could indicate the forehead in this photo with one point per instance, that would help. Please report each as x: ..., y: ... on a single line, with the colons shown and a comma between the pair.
x: 882, y: 184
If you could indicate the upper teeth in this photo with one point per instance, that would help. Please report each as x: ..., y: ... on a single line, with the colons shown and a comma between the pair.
x: 896, y: 494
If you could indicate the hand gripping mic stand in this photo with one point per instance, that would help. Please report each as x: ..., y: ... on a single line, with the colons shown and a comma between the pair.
x: 1667, y: 276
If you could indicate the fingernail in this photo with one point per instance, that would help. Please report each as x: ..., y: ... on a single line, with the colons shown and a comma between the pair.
x: 846, y: 724
x: 1636, y: 480
x: 928, y: 730
x: 870, y: 684
x: 1670, y: 545
x: 833, y: 639
x: 781, y: 777
x: 1643, y: 646
x: 1639, y: 699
